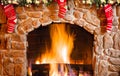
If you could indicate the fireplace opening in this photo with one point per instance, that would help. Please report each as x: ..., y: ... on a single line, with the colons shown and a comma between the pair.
x: 80, y: 58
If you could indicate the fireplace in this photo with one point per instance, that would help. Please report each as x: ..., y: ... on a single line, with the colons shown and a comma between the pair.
x: 106, y: 46
x: 41, y: 39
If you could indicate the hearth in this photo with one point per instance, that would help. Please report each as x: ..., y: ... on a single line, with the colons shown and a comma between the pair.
x: 40, y: 41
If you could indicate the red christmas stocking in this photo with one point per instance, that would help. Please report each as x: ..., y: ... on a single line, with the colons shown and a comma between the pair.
x: 11, y: 15
x: 62, y: 8
x: 109, y: 16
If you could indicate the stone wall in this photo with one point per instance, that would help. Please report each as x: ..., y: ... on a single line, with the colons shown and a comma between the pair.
x: 106, y: 50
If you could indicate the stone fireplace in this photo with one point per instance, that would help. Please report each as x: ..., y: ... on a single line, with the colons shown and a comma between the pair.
x: 106, y: 47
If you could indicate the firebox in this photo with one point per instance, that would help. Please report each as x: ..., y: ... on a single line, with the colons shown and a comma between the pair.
x: 74, y: 47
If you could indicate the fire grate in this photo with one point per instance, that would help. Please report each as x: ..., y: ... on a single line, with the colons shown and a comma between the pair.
x: 77, y: 69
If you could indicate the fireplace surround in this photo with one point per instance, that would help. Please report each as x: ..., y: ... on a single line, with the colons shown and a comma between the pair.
x: 106, y: 47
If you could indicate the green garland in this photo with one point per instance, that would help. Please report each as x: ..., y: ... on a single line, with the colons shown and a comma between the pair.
x: 25, y: 2
x: 37, y: 2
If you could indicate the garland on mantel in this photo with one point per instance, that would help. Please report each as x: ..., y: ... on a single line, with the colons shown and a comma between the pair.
x: 37, y: 2
x: 10, y: 13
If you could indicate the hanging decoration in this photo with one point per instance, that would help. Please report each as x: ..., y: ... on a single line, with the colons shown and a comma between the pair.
x: 62, y: 8
x: 11, y: 17
x: 109, y: 16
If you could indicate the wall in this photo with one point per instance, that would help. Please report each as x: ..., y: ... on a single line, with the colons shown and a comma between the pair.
x: 106, y: 50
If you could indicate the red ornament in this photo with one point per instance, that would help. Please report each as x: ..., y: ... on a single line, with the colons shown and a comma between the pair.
x: 109, y: 16
x: 11, y: 15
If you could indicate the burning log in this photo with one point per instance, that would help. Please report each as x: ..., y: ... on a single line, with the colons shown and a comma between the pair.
x: 73, y: 69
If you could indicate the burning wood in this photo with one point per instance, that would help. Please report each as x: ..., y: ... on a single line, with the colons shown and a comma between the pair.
x: 62, y: 70
x: 56, y: 61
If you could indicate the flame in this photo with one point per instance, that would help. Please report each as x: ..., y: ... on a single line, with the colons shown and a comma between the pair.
x: 29, y: 71
x: 61, y: 48
x: 37, y: 62
x: 62, y: 43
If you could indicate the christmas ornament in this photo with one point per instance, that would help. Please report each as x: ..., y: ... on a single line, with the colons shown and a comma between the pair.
x: 62, y: 8
x: 11, y: 17
x: 109, y: 16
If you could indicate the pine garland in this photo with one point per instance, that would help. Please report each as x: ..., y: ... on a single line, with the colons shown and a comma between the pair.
x: 26, y: 2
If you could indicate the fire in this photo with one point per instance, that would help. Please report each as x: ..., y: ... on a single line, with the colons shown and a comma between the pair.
x: 29, y: 71
x: 61, y: 48
x: 37, y: 62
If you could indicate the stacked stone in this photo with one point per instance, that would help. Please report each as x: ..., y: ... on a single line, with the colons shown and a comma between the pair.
x: 13, y: 57
x: 107, y: 50
x: 106, y: 53
x: 32, y: 17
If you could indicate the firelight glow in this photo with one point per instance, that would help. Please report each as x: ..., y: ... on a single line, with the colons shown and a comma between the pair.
x: 37, y: 62
x: 29, y: 71
x: 61, y: 48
